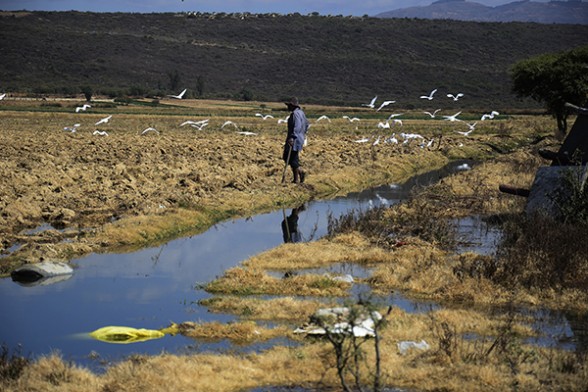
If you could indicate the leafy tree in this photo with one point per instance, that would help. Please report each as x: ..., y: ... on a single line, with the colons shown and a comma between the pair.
x: 87, y: 91
x: 174, y: 79
x: 200, y: 85
x: 554, y: 79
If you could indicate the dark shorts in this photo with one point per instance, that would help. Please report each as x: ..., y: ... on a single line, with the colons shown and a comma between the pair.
x: 294, y: 161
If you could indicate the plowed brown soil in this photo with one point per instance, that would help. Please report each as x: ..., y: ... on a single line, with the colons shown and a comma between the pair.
x: 65, y: 193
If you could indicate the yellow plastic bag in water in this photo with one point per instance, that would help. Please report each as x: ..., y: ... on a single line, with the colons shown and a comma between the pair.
x: 124, y: 335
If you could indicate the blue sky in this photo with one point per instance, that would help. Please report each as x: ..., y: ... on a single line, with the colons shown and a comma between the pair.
x: 324, y: 7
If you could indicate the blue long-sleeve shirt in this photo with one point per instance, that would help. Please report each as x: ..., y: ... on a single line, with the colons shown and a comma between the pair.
x: 297, y: 127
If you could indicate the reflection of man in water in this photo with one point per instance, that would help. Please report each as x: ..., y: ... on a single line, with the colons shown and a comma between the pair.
x: 290, y: 226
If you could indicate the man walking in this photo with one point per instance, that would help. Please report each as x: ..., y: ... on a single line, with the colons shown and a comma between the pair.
x: 297, y: 127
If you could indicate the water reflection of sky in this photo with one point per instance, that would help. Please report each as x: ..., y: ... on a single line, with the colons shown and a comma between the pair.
x: 153, y: 287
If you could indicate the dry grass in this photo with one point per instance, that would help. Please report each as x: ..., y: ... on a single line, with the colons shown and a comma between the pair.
x: 347, y: 248
x: 286, y: 308
x: 247, y: 281
x: 238, y: 333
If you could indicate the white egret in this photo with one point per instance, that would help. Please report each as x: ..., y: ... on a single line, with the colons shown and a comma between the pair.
x: 100, y: 133
x: 150, y: 129
x: 351, y: 119
x: 489, y: 116
x: 264, y: 116
x: 179, y: 96
x: 72, y: 129
x: 432, y: 115
x: 455, y: 97
x: 83, y: 107
x: 453, y: 117
x: 104, y: 120
x: 372, y: 104
x: 229, y: 122
x: 430, y: 96
x: 385, y: 103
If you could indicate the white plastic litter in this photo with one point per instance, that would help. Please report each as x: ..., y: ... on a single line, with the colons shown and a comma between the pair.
x: 407, y: 345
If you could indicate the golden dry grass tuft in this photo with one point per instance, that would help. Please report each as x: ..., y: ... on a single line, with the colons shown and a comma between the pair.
x: 284, y: 308
x: 346, y: 248
x: 248, y: 281
x: 245, y: 332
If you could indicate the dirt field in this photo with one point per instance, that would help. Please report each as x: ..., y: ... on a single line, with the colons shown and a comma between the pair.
x: 67, y: 193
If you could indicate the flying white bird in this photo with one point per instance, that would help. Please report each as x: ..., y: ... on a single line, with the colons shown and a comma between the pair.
x: 100, y: 133
x: 466, y: 133
x: 179, y: 96
x: 323, y: 118
x: 397, y: 121
x: 83, y: 107
x: 192, y: 123
x: 72, y: 129
x: 264, y: 116
x: 104, y: 120
x: 247, y: 133
x: 432, y: 114
x: 199, y: 126
x: 393, y: 115
x: 352, y: 119
x: 229, y: 122
x: 410, y: 136
x: 455, y: 97
x: 376, y: 142
x: 372, y: 104
x: 385, y: 125
x: 430, y: 96
x: 283, y: 120
x: 385, y: 103
x: 453, y: 117
x: 150, y: 129
x: 2, y: 96
x: 489, y: 116
x: 364, y: 140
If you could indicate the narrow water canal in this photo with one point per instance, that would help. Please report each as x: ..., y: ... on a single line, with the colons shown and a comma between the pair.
x: 153, y: 287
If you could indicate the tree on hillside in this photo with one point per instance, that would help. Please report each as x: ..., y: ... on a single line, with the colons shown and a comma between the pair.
x: 87, y: 91
x: 554, y: 79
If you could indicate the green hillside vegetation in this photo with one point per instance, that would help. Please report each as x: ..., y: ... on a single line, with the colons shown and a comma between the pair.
x: 321, y: 59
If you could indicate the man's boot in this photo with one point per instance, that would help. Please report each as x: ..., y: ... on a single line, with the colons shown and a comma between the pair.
x: 296, y: 174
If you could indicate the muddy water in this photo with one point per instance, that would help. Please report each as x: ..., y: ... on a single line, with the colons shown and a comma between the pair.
x: 153, y: 287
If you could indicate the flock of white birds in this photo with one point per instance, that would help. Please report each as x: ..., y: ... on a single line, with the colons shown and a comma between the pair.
x: 391, y: 121
x: 406, y: 138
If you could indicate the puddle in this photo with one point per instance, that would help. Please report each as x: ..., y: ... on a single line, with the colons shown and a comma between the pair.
x: 153, y: 287
x: 476, y: 235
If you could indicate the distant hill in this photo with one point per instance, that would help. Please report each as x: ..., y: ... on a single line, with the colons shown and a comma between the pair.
x: 569, y: 12
x: 321, y: 59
